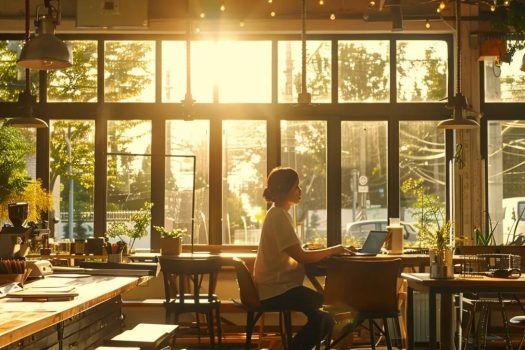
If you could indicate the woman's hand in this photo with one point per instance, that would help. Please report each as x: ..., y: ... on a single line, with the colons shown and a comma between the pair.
x: 339, y: 249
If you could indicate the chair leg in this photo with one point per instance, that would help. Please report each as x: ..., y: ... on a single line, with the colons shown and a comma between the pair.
x: 371, y: 331
x: 387, y: 335
x: 209, y: 315
x: 286, y: 329
x: 521, y: 341
x: 219, y: 327
x: 250, y: 324
x: 508, y: 341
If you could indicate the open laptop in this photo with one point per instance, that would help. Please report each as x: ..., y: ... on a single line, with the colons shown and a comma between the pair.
x: 373, y: 243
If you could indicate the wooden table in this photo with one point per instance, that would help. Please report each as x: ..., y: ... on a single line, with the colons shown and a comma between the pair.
x: 446, y: 288
x: 18, y: 319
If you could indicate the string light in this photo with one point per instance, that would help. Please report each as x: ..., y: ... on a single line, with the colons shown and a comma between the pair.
x: 223, y: 8
x: 202, y: 15
x: 332, y: 16
x: 427, y: 24
x: 241, y: 24
x: 270, y: 1
x: 321, y: 2
x: 438, y: 10
x: 492, y: 8
x: 272, y: 13
x: 506, y: 3
x: 371, y: 3
x: 442, y: 5
x: 197, y: 29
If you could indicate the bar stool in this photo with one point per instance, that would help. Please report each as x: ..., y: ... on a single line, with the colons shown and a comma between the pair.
x: 519, y: 321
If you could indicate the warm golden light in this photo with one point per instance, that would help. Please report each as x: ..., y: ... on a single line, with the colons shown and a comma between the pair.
x: 427, y: 24
x: 332, y: 16
x: 223, y: 8
x: 442, y: 5
x: 272, y: 13
x: 321, y: 2
x: 202, y: 15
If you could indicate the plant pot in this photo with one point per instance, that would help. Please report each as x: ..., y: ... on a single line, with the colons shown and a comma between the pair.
x: 441, y: 263
x: 170, y: 246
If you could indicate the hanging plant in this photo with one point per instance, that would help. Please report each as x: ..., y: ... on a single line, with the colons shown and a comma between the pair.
x: 511, y: 21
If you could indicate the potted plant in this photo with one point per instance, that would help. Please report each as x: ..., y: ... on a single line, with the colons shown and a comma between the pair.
x: 434, y: 231
x: 170, y: 241
x: 129, y: 232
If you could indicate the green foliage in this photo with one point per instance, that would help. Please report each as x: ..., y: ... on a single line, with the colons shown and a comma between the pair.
x: 140, y: 221
x: 433, y: 230
x: 173, y: 233
x: 510, y: 20
x: 486, y: 238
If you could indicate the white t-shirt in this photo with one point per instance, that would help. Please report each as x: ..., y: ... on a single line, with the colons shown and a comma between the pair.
x: 275, y: 271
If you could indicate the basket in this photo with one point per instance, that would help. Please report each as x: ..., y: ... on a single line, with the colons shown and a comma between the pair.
x: 488, y: 264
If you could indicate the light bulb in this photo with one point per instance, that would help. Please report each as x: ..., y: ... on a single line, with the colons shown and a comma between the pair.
x: 427, y: 24
x: 241, y: 24
x: 332, y: 16
x: 492, y: 8
x: 270, y: 1
x: 371, y: 3
x: 442, y: 5
x: 321, y: 2
x: 506, y: 3
x: 202, y: 15
x: 197, y: 30
x: 272, y: 13
x: 438, y: 10
x: 223, y: 8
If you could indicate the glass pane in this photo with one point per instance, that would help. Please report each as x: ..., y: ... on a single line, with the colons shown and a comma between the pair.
x: 129, y: 172
x: 318, y: 70
x: 79, y: 82
x: 422, y: 70
x: 203, y: 70
x: 303, y: 147
x: 13, y: 77
x: 422, y: 167
x: 173, y: 71
x: 245, y: 71
x: 72, y: 177
x: 244, y: 175
x: 364, y: 166
x: 185, y: 138
x: 129, y: 71
x: 506, y: 188
x: 364, y: 71
x: 506, y: 82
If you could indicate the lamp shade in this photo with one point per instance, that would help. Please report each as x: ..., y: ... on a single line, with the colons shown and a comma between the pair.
x: 45, y: 51
x: 522, y: 68
x: 458, y: 103
x: 26, y: 122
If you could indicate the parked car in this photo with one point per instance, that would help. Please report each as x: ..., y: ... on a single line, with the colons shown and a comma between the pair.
x: 359, y: 230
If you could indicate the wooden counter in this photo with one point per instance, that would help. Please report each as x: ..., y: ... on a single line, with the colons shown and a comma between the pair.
x: 20, y: 319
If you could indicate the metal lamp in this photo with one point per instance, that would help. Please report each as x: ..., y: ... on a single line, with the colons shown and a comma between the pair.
x: 458, y: 103
x: 45, y: 51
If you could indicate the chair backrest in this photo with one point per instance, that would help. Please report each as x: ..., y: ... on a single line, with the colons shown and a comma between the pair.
x: 247, y: 289
x: 184, y: 277
x: 362, y: 285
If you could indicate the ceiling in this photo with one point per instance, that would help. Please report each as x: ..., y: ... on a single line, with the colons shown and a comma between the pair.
x: 13, y: 11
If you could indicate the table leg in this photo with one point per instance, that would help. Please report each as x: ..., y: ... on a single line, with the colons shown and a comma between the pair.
x: 410, y: 319
x: 432, y: 319
x: 447, y: 322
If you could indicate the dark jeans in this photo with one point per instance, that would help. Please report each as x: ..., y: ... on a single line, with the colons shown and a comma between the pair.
x: 308, y: 302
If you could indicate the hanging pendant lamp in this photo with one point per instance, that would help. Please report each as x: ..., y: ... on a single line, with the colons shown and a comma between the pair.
x: 45, y: 51
x: 24, y: 116
x: 458, y: 103
x: 522, y: 68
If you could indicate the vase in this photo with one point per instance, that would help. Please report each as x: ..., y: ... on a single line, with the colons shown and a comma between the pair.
x: 170, y: 246
x: 441, y: 263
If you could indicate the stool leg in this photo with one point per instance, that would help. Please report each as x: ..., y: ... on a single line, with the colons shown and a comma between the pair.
x: 521, y: 342
x: 508, y: 341
x: 371, y: 331
x: 387, y: 335
x: 219, y: 327
x: 209, y: 315
x: 250, y: 323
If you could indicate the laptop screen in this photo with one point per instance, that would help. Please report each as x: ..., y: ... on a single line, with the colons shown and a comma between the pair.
x: 374, y: 241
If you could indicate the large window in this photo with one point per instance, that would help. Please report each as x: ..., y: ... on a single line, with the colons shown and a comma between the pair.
x: 129, y: 171
x: 364, y: 179
x: 72, y: 177
x: 303, y: 147
x: 245, y: 121
x: 244, y: 174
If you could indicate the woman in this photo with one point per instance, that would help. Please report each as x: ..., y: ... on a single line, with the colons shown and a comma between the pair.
x: 279, y: 266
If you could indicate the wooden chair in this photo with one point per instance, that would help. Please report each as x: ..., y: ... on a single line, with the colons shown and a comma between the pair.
x: 254, y: 309
x: 362, y: 290
x: 183, y: 284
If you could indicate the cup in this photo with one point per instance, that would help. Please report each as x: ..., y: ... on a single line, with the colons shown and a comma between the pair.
x: 115, y: 258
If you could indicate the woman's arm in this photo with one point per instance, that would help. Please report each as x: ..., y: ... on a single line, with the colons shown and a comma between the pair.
x: 312, y: 256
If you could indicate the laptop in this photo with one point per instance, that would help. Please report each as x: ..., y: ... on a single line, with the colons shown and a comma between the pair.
x: 373, y: 243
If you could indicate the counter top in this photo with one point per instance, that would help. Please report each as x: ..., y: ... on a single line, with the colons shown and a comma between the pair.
x: 19, y: 319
